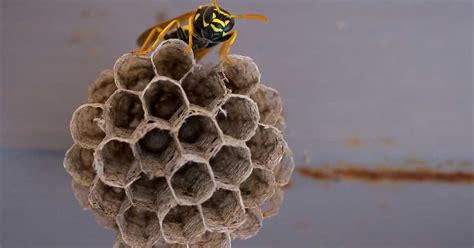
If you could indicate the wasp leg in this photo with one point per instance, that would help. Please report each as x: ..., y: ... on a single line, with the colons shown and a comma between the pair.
x: 161, y: 35
x: 201, y: 54
x: 225, y: 48
x: 181, y: 18
x: 190, y: 33
x: 148, y: 40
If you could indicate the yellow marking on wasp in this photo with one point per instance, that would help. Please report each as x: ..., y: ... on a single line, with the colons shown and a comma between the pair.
x: 219, y: 21
x: 197, y: 16
x: 216, y: 5
x: 223, y: 13
x: 216, y: 29
x: 226, y: 33
x: 227, y: 22
x: 214, y: 15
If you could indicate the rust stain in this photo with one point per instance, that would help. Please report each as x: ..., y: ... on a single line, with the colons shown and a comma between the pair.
x: 354, y: 142
x: 358, y: 172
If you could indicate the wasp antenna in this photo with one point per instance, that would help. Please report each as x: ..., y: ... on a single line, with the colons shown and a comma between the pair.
x: 216, y: 5
x: 252, y: 16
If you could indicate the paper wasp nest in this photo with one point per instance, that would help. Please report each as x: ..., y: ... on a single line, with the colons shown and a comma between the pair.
x: 169, y: 153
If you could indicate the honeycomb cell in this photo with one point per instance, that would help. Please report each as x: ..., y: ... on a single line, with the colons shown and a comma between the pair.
x: 81, y: 193
x: 116, y: 164
x: 139, y: 227
x: 199, y: 134
x: 165, y: 100
x: 204, y: 87
x: 78, y: 162
x: 242, y: 74
x: 271, y: 206
x: 212, y: 240
x: 85, y: 126
x: 223, y: 211
x: 269, y: 104
x: 106, y: 199
x: 267, y: 147
x: 123, y: 113
x: 103, y: 87
x: 192, y: 183
x: 173, y: 59
x: 157, y: 149
x: 251, y: 226
x: 257, y: 188
x: 231, y: 165
x: 182, y: 224
x: 152, y: 194
x: 285, y: 168
x: 238, y: 117
x: 133, y: 72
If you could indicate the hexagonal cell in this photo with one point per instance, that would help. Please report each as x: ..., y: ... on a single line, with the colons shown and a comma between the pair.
x: 164, y: 100
x: 85, y: 126
x: 192, y: 183
x: 116, y: 164
x: 285, y: 168
x: 172, y: 60
x: 182, y: 224
x: 204, y: 86
x: 212, y: 240
x: 231, y: 164
x: 223, y: 211
x: 269, y: 104
x: 106, y: 199
x: 238, y: 117
x: 103, y: 87
x: 81, y: 193
x: 123, y: 113
x: 78, y: 162
x: 267, y: 147
x: 257, y: 188
x: 199, y: 134
x: 271, y: 206
x: 151, y: 194
x: 157, y: 149
x: 242, y: 74
x: 133, y: 72
x: 251, y: 226
x: 139, y: 227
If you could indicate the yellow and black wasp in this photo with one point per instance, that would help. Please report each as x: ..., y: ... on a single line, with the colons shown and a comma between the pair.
x: 208, y: 26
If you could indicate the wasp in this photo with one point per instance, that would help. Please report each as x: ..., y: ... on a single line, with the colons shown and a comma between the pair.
x: 207, y: 26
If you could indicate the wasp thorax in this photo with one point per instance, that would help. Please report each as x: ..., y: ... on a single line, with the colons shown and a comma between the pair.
x: 179, y: 154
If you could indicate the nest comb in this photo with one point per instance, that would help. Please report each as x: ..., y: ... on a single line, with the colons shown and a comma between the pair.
x: 170, y: 153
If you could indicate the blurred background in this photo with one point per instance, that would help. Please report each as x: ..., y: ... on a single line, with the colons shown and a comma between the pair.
x: 363, y: 81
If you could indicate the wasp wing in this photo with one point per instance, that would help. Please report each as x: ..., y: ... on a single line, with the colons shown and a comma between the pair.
x: 141, y: 39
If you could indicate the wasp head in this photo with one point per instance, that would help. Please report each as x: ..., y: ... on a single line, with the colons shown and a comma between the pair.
x: 216, y: 23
